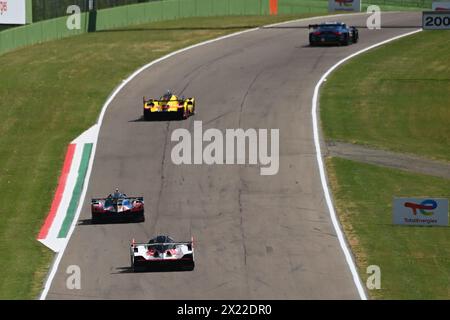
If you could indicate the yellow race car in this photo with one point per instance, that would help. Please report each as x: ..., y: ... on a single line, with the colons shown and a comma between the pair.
x: 168, y: 106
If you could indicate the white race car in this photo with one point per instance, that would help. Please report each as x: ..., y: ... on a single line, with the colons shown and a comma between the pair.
x: 162, y: 253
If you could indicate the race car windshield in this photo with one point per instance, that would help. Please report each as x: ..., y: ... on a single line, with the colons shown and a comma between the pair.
x: 117, y: 195
x: 329, y: 27
x: 166, y: 97
x: 161, y: 239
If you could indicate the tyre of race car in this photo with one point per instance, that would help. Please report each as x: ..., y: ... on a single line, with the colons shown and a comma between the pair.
x: 146, y: 116
x: 95, y: 220
x: 181, y: 114
x: 133, y: 268
x: 346, y: 40
x: 140, y: 218
x: 189, y: 266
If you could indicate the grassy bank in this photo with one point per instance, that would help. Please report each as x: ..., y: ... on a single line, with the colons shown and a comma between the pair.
x: 414, y: 261
x: 50, y: 94
x: 395, y: 97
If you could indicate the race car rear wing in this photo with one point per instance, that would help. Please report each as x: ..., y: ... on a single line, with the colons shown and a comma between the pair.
x: 159, y: 101
x: 147, y: 245
x: 94, y: 200
x: 315, y: 26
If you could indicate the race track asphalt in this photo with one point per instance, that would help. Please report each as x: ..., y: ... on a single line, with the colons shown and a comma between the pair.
x: 257, y: 237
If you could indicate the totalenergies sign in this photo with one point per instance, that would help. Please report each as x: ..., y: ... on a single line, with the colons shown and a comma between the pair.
x: 13, y: 12
x: 420, y: 211
x: 344, y: 5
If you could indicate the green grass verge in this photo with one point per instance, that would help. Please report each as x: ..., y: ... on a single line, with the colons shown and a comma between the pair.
x: 50, y: 94
x: 414, y: 261
x: 395, y: 97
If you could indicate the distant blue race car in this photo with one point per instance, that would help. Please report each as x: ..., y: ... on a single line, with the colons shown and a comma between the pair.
x: 332, y: 33
x: 117, y: 207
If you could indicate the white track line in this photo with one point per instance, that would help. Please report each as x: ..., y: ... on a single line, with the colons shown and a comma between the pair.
x: 323, y: 179
x: 59, y: 256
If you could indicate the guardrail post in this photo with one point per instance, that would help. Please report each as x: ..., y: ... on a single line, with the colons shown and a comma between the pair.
x: 92, y: 15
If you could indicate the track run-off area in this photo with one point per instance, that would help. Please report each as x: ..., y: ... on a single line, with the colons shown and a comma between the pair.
x: 256, y: 236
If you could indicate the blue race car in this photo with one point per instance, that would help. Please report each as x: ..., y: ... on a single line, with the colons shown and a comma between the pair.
x: 117, y: 207
x: 332, y: 33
